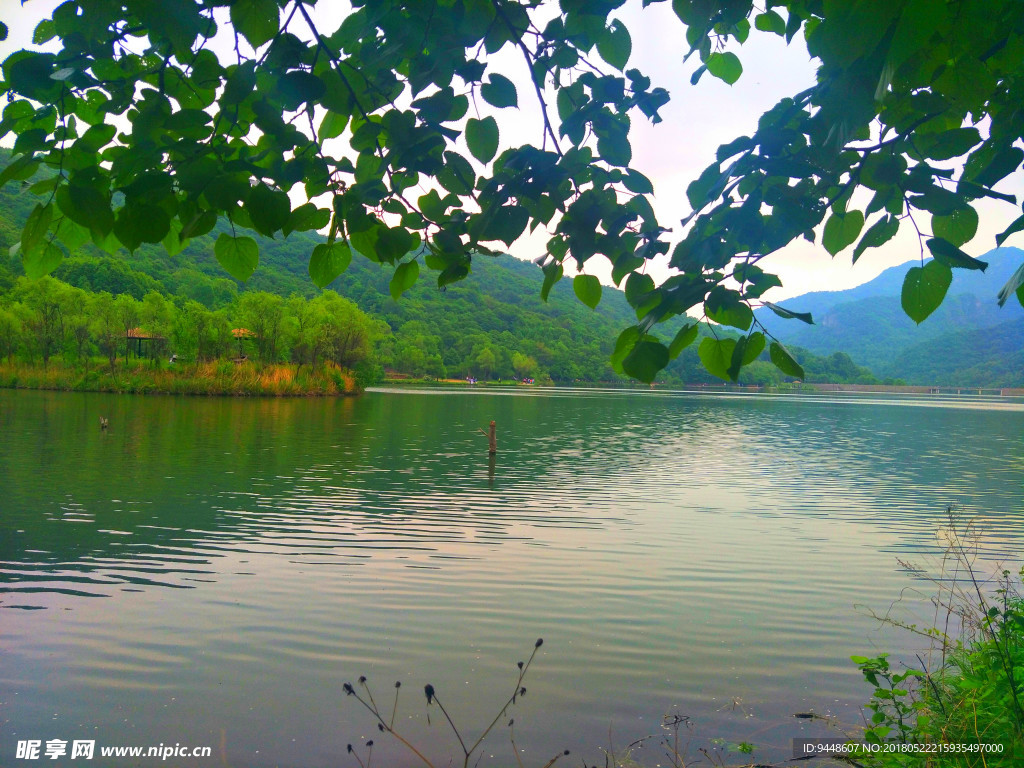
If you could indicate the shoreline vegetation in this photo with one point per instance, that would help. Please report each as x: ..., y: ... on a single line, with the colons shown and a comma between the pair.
x: 249, y: 378
x: 962, y: 704
x: 222, y: 377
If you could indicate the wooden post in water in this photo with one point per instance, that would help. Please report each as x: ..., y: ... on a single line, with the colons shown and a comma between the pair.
x: 492, y: 440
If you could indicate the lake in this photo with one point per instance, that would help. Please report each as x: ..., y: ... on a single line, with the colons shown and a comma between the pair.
x: 210, y: 572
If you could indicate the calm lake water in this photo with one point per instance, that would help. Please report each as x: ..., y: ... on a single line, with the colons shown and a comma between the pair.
x: 210, y: 572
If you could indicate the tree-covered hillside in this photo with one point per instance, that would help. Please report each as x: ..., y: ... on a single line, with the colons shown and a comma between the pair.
x: 988, y: 357
x: 493, y: 324
x: 868, y: 323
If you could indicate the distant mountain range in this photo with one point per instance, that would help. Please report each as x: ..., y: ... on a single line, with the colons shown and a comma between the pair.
x: 968, y: 341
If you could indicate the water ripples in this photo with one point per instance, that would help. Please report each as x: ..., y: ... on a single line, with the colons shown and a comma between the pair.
x: 673, y: 548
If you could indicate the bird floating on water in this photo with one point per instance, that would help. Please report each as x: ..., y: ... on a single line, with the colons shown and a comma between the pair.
x: 103, y: 422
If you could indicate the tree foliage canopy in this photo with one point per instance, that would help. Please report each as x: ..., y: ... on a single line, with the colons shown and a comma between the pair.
x: 152, y: 137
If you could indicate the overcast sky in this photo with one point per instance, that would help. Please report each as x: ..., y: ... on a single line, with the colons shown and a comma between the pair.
x: 674, y: 152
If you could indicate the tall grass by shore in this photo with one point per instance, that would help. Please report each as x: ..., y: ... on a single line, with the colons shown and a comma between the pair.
x: 210, y: 378
x: 964, y: 706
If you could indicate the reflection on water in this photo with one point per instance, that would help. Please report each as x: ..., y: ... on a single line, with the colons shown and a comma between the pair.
x: 212, y: 570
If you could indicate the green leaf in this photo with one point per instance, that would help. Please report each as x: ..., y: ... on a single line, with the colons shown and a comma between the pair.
x: 725, y: 66
x: 36, y: 226
x: 86, y: 206
x: 951, y: 256
x: 950, y: 144
x: 784, y: 361
x: 482, y: 138
x: 19, y: 169
x: 331, y: 126
x: 30, y: 141
x: 624, y: 265
x: 727, y: 307
x: 745, y: 352
x: 452, y: 274
x: 552, y: 274
x: 684, y: 337
x: 587, y: 289
x: 73, y: 235
x: 505, y: 223
x: 878, y: 234
x: 638, y: 286
x: 615, y: 148
x: 624, y: 345
x: 257, y: 20
x: 924, y: 288
x: 28, y: 73
x: 328, y: 261
x: 268, y: 208
x: 172, y: 241
x: 753, y: 348
x: 306, y: 217
x: 770, y: 22
x: 841, y: 230
x: 645, y: 361
x: 394, y: 242
x: 918, y: 22
x: 299, y: 87
x: 201, y: 223
x: 706, y: 187
x: 137, y: 224
x: 638, y: 183
x: 937, y: 200
x: 364, y: 242
x: 457, y: 175
x: 238, y: 255
x: 499, y: 91
x: 224, y: 190
x: 240, y: 83
x: 957, y: 227
x: 1013, y: 285
x: 404, y: 278
x: 756, y: 282
x: 41, y: 260
x: 990, y: 163
x: 615, y: 45
x: 716, y: 355
x: 788, y: 314
x: 1016, y: 226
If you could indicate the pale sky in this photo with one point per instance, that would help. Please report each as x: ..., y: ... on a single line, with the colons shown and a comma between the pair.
x: 674, y: 152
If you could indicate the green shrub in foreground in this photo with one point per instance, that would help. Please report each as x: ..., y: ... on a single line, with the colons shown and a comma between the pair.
x: 968, y: 712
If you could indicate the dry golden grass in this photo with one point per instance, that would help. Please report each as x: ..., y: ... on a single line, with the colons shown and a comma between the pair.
x: 222, y: 377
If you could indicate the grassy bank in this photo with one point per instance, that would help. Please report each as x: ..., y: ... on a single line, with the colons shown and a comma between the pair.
x: 962, y: 705
x: 214, y: 378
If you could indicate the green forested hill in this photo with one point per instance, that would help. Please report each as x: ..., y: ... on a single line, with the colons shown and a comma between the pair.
x: 989, y: 357
x: 965, y: 342
x: 492, y: 324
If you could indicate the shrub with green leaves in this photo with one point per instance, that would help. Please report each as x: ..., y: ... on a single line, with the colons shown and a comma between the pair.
x: 968, y: 712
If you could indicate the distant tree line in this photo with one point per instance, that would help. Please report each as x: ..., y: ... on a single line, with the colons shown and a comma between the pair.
x: 44, y: 319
